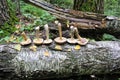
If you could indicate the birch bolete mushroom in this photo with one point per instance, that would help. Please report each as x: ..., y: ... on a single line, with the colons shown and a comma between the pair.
x: 80, y: 41
x: 47, y: 41
x: 26, y: 41
x: 37, y: 40
x: 72, y: 40
x: 60, y: 39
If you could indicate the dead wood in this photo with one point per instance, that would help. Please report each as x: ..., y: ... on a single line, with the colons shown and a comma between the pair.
x: 95, y: 58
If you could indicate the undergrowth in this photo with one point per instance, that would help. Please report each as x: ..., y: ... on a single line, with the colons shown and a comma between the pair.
x: 34, y: 16
x: 40, y: 16
x: 8, y: 27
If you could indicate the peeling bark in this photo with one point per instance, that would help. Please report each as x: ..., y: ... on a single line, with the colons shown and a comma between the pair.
x: 96, y: 58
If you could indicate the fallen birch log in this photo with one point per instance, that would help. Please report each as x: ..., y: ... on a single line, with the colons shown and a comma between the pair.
x: 95, y: 58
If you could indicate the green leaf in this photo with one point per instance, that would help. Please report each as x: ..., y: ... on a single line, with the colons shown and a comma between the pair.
x: 22, y: 28
x: 109, y: 37
x: 1, y: 31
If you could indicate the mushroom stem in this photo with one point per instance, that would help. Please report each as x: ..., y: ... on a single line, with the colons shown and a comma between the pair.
x: 24, y: 36
x: 72, y: 32
x: 37, y: 32
x: 47, y: 31
x: 72, y: 36
x: 77, y: 34
x: 60, y: 30
x: 68, y: 22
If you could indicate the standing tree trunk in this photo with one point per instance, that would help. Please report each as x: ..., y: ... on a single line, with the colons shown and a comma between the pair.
x: 99, y: 6
x: 77, y: 4
x: 96, y: 6
x: 4, y: 12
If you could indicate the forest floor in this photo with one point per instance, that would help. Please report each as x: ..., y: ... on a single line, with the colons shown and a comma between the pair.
x: 32, y: 17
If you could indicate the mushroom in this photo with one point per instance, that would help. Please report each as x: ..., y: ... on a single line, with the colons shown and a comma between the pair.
x: 56, y: 22
x: 47, y: 41
x: 26, y: 39
x: 80, y: 41
x: 37, y: 40
x: 72, y: 40
x: 60, y: 39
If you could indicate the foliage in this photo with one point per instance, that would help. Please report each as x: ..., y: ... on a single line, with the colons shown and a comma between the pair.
x: 63, y: 3
x: 33, y: 15
x: 8, y: 26
x: 36, y: 12
x: 88, y: 6
x: 39, y: 16
x: 112, y: 7
x: 108, y: 37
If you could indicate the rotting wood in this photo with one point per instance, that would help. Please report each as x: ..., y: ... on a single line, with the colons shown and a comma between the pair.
x: 71, y: 15
x: 82, y: 20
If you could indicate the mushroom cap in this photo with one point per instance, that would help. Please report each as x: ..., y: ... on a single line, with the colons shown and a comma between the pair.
x: 60, y: 41
x: 84, y: 41
x: 71, y: 27
x: 38, y: 41
x: 27, y: 42
x: 56, y: 22
x: 72, y: 41
x: 59, y: 24
x: 46, y: 26
x: 47, y: 41
x: 37, y: 28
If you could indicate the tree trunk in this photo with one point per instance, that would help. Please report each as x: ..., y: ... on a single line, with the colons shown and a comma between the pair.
x: 4, y: 12
x: 101, y: 59
x: 78, y: 4
x: 96, y: 6
x: 99, y: 6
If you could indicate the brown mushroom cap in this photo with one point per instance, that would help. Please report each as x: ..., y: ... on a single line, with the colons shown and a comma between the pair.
x: 38, y: 41
x: 60, y: 41
x: 27, y: 42
x: 72, y: 41
x: 83, y: 41
x: 47, y: 41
